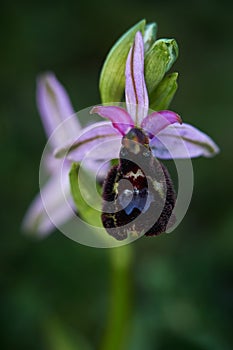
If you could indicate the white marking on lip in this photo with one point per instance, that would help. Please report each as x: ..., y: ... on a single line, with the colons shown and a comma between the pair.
x: 135, y: 175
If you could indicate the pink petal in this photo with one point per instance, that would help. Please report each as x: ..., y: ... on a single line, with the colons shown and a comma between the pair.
x: 55, y: 107
x: 94, y: 136
x: 50, y: 163
x: 103, y: 151
x: 135, y: 88
x: 182, y: 141
x: 49, y: 206
x: 120, y: 118
x: 157, y: 121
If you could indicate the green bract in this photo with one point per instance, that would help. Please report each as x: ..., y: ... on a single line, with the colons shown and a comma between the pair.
x: 112, y: 78
x: 149, y: 35
x: 85, y: 183
x: 162, y: 96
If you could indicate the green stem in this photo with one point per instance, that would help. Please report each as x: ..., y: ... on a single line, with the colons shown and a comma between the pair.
x: 120, y: 299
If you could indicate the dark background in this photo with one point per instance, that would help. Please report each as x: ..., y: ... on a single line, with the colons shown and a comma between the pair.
x: 54, y: 292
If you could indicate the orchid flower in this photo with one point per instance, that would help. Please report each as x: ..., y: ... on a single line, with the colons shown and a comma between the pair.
x: 169, y: 137
x: 57, y: 114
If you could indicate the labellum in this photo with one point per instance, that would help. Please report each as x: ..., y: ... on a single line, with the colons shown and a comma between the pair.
x: 138, y: 193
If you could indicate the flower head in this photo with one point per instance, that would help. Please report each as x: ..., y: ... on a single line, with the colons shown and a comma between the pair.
x: 169, y: 137
x: 130, y: 209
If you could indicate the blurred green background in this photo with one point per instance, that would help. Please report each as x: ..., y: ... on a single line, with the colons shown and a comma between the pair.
x: 55, y: 292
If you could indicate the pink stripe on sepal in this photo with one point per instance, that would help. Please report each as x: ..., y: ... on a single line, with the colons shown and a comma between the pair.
x: 135, y: 87
x: 182, y: 141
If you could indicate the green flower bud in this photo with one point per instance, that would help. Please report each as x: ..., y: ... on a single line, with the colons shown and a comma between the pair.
x: 158, y: 60
x: 112, y: 78
x: 173, y: 50
x: 162, y: 96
